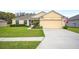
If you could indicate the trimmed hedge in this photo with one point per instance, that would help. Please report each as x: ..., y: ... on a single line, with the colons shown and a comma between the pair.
x: 37, y: 27
x: 19, y: 25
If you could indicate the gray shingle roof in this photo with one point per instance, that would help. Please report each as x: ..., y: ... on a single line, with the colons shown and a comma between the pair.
x: 76, y: 17
x: 25, y: 17
x: 38, y: 15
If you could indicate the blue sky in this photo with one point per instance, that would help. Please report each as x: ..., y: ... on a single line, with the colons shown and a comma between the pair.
x: 66, y: 7
x: 69, y: 13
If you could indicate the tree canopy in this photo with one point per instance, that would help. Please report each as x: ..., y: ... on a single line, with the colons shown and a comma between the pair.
x: 7, y: 16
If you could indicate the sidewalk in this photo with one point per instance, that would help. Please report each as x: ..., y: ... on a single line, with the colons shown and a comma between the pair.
x: 22, y: 39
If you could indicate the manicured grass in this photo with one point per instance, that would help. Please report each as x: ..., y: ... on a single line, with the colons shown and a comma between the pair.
x: 20, y: 32
x: 19, y: 45
x: 74, y: 29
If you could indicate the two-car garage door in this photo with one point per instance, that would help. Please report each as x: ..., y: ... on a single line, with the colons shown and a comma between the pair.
x: 51, y: 24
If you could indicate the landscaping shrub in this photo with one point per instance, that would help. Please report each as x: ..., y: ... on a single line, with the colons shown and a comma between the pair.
x: 65, y: 27
x: 9, y: 21
x: 37, y: 27
x: 35, y: 24
x: 14, y: 25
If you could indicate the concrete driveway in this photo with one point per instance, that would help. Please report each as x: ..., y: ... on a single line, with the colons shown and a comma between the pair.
x: 59, y: 39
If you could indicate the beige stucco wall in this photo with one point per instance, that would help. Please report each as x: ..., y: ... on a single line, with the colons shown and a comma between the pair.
x: 63, y: 23
x: 52, y: 20
x: 52, y: 15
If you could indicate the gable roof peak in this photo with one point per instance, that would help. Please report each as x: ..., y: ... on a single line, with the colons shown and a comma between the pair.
x: 41, y: 12
x: 54, y: 12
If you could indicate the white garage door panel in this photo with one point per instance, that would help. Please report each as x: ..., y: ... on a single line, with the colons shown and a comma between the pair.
x: 51, y: 24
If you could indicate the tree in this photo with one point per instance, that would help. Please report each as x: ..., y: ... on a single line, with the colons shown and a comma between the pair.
x: 7, y: 16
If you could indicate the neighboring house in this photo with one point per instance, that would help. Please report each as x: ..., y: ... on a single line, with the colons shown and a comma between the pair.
x: 3, y: 23
x: 73, y: 21
x: 51, y: 19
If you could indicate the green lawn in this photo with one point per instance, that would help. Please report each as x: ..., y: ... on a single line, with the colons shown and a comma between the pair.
x: 73, y: 29
x: 19, y: 45
x: 20, y: 32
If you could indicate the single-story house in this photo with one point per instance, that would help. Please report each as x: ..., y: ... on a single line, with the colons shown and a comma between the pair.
x: 3, y: 23
x: 73, y: 21
x: 51, y: 19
